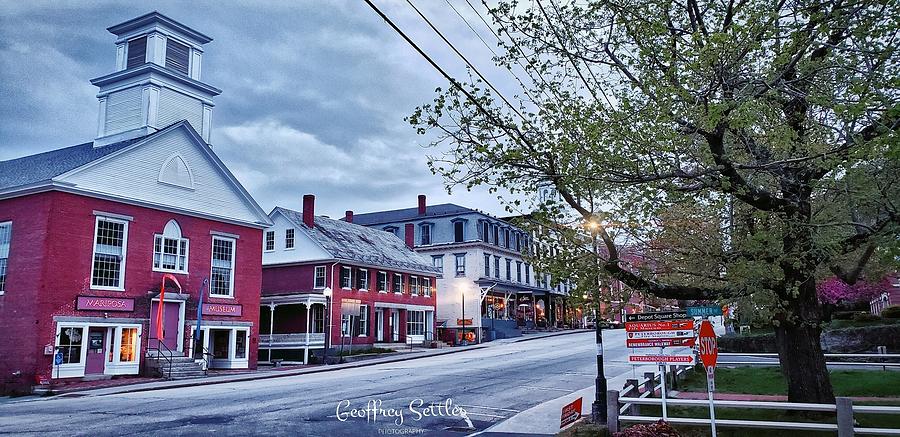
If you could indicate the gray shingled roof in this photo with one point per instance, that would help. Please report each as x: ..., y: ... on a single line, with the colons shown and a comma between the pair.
x: 42, y: 167
x: 355, y: 243
x: 402, y: 215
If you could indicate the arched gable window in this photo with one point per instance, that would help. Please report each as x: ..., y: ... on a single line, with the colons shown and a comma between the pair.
x: 170, y: 250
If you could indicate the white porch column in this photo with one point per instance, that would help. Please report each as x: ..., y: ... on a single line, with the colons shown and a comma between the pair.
x: 271, y: 327
x: 306, y: 349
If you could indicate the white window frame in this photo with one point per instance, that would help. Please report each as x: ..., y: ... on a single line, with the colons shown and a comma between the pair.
x: 410, y: 322
x: 187, y: 251
x: 427, y: 286
x: 8, y: 225
x: 363, y: 320
x: 362, y: 276
x: 266, y: 241
x: 413, y: 285
x: 324, y: 271
x: 233, y: 257
x: 425, y: 229
x: 97, y: 221
x: 394, y: 282
x: 292, y: 240
x: 438, y: 261
x: 349, y: 271
x: 458, y: 264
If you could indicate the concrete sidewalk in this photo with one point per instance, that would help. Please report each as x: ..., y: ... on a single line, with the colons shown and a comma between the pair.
x: 278, y: 373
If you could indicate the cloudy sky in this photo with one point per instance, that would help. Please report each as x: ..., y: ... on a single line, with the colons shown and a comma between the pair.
x: 314, y: 92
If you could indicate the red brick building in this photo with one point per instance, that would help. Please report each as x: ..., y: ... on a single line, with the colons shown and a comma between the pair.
x: 313, y: 267
x: 87, y: 232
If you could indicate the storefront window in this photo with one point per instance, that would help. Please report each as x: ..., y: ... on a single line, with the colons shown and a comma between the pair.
x: 126, y: 350
x: 415, y: 323
x: 240, y: 344
x: 70, y: 342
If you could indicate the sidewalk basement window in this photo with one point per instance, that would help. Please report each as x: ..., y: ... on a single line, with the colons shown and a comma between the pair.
x: 426, y: 285
x: 270, y: 241
x: 5, y: 239
x: 362, y: 279
x: 398, y: 283
x: 320, y: 277
x: 363, y: 321
x: 170, y: 251
x: 71, y: 340
x: 222, y: 275
x: 289, y: 239
x: 346, y: 279
x: 415, y: 323
x: 110, y: 245
x: 382, y: 282
x: 177, y: 56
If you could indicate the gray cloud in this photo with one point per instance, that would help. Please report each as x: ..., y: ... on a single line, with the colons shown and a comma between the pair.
x: 314, y: 92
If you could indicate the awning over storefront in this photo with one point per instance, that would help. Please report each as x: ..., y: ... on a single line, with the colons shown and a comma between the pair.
x: 404, y: 306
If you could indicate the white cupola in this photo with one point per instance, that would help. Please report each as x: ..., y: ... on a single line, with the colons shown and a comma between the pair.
x: 156, y: 82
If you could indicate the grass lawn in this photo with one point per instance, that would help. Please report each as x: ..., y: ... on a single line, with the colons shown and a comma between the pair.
x: 769, y: 381
x: 839, y: 324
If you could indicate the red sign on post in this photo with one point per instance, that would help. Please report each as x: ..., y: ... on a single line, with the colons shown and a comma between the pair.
x: 709, y: 349
x: 570, y: 413
x: 659, y: 326
x: 663, y: 342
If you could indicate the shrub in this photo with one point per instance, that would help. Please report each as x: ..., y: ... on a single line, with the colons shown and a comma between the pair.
x: 891, y: 312
x: 844, y: 315
x: 866, y: 317
x: 657, y: 429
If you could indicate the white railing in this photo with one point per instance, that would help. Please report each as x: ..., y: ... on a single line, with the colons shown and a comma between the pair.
x: 617, y: 407
x: 299, y: 339
x: 873, y: 357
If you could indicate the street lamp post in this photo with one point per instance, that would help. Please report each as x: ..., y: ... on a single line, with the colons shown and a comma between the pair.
x: 463, y: 340
x: 598, y: 408
x: 328, y: 293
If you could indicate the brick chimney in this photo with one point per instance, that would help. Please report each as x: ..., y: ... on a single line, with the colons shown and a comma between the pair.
x: 421, y: 204
x: 348, y: 216
x: 410, y: 234
x: 309, y: 210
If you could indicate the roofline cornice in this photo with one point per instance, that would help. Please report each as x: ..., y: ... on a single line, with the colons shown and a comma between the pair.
x: 154, y: 16
x: 150, y: 68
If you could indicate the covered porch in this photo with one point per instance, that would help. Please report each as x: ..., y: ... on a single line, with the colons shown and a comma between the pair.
x: 291, y: 326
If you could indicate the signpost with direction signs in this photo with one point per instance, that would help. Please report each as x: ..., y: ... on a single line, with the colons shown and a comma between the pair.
x: 660, y: 330
x: 709, y: 353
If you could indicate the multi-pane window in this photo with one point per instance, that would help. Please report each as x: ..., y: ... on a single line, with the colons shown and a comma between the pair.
x: 177, y: 56
x: 319, y: 277
x: 318, y: 318
x: 414, y: 285
x: 110, y: 239
x: 70, y: 342
x: 426, y: 234
x: 362, y: 279
x: 222, y: 277
x: 289, y: 238
x: 527, y: 274
x: 518, y: 242
x: 518, y: 271
x: 485, y: 231
x: 398, y: 283
x: 438, y: 261
x: 426, y: 286
x: 487, y: 265
x: 497, y: 267
x: 137, y: 52
x: 346, y: 277
x: 363, y: 320
x: 382, y: 282
x: 415, y: 323
x: 5, y: 239
x: 506, y: 238
x: 496, y: 240
x: 460, y: 264
x: 127, y: 346
x: 170, y: 251
x: 270, y: 241
x: 459, y: 231
x: 508, y: 269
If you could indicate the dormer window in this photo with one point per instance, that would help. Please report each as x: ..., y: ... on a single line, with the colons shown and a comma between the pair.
x: 177, y: 56
x: 137, y: 52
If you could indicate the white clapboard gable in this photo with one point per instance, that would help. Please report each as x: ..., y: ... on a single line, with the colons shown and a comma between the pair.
x: 172, y: 170
x: 304, y: 250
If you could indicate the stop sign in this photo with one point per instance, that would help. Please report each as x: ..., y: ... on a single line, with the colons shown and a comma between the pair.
x: 709, y: 350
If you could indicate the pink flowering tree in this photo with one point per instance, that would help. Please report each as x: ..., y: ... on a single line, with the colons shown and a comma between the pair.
x: 834, y: 291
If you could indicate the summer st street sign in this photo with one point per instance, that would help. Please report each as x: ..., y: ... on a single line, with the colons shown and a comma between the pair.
x: 704, y: 311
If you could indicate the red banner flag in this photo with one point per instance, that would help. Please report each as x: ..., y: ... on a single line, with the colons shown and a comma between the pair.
x: 162, y: 298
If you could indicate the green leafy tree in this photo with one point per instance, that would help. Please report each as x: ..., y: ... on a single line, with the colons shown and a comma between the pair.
x: 744, y: 146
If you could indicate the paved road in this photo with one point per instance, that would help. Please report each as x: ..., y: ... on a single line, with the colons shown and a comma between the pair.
x: 491, y: 384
